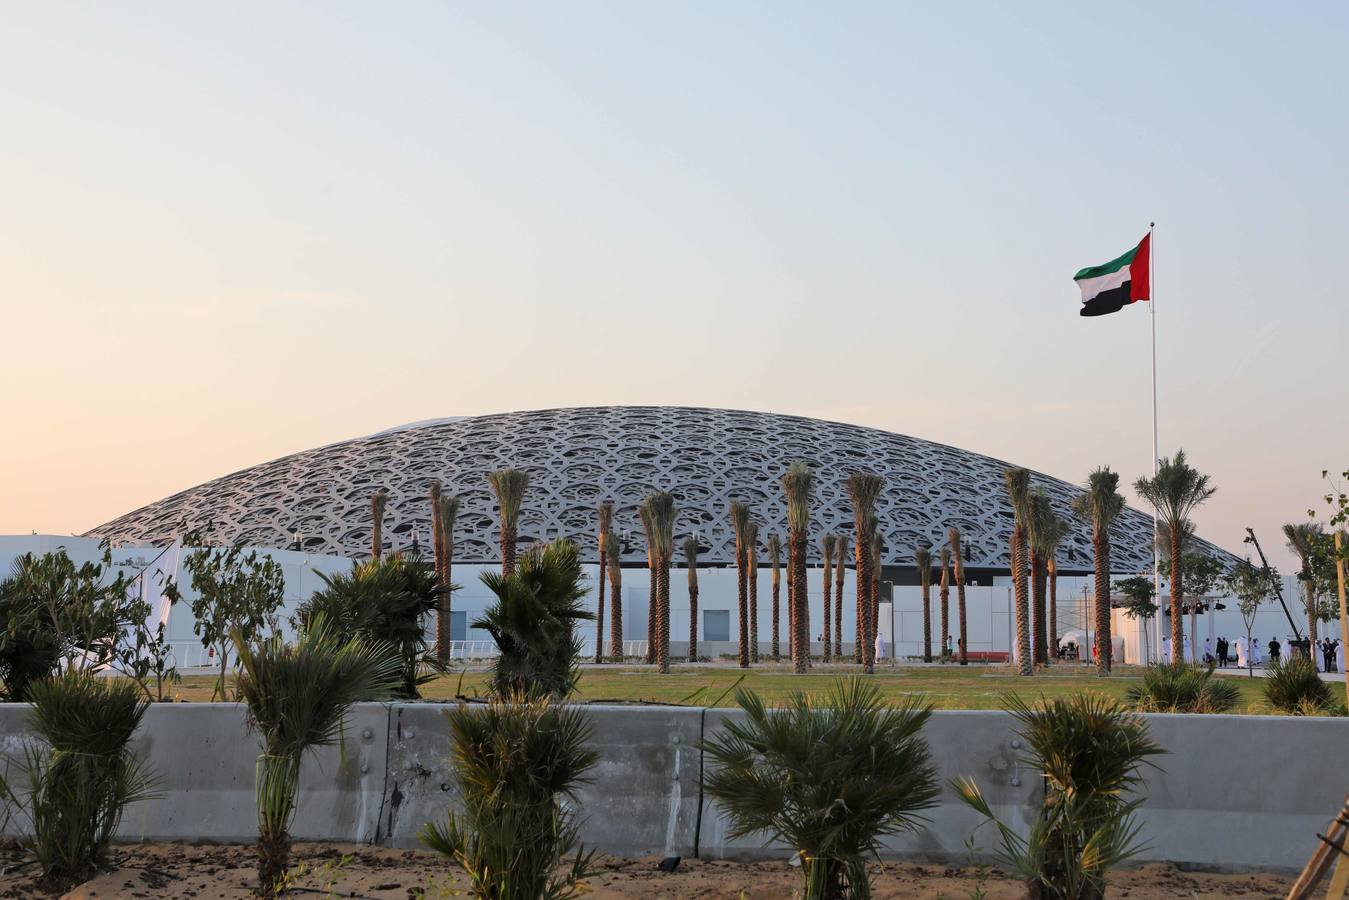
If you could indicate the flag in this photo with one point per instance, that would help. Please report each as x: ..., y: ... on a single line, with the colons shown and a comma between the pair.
x: 1113, y: 286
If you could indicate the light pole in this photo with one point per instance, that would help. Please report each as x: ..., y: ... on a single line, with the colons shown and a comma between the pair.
x: 894, y: 643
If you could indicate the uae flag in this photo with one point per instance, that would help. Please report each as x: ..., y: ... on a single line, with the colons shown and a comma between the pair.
x: 1113, y: 286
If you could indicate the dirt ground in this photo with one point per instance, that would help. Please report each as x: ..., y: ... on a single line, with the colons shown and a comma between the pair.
x: 336, y: 870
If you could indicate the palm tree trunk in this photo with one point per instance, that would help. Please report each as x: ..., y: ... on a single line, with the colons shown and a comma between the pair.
x: 1311, y: 611
x: 742, y: 596
x: 652, y: 613
x: 960, y: 605
x: 599, y: 603
x: 945, y: 594
x: 1053, y: 633
x: 616, y: 612
x: 1038, y: 577
x: 797, y: 585
x: 1177, y: 623
x: 1101, y: 542
x: 508, y: 535
x: 442, y: 607
x: 791, y: 605
x: 927, y: 619
x: 828, y: 632
x: 1025, y: 665
x: 753, y: 613
x: 693, y: 621
x: 777, y: 589
x: 840, y: 572
x: 866, y: 576
x: 663, y: 615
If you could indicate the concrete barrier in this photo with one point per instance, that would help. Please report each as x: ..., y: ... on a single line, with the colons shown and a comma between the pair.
x: 1233, y: 792
x: 642, y: 797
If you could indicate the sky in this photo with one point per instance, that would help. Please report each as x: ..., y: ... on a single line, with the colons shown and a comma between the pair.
x: 229, y: 232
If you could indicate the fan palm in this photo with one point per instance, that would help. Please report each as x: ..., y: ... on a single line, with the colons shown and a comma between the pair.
x: 953, y: 539
x: 691, y: 558
x: 863, y: 490
x: 510, y: 486
x: 1302, y: 538
x: 1091, y: 751
x: 1018, y: 492
x: 606, y: 514
x: 297, y: 696
x: 447, y: 513
x: 533, y: 622
x: 827, y: 551
x: 614, y: 553
x: 378, y: 501
x: 661, y: 510
x: 1100, y: 504
x: 922, y: 560
x: 775, y: 557
x: 829, y: 780
x: 752, y: 538
x: 840, y: 571
x: 1175, y: 491
x: 740, y: 524
x: 797, y: 487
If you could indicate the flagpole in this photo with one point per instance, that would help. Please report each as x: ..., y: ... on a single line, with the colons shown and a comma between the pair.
x: 1156, y: 557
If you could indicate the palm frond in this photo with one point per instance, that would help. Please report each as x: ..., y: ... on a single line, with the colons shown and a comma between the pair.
x: 510, y: 486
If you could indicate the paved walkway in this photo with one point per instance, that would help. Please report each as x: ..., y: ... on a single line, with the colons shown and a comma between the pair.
x: 1261, y: 672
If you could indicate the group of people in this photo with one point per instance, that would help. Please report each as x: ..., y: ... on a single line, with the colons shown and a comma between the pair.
x: 1223, y: 652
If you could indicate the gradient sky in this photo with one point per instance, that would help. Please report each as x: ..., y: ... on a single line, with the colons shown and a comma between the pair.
x: 234, y: 231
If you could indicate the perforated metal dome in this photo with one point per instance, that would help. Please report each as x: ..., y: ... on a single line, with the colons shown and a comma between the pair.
x: 578, y: 457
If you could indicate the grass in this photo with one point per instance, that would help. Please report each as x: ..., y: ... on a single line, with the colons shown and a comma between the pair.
x: 945, y: 687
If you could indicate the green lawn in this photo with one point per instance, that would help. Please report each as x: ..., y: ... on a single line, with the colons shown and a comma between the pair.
x: 945, y: 687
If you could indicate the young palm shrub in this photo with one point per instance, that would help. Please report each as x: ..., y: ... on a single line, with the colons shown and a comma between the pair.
x: 83, y: 780
x: 297, y: 696
x: 1182, y: 688
x: 830, y: 777
x: 378, y: 502
x: 691, y: 558
x: 661, y: 509
x: 840, y: 572
x: 863, y: 489
x: 615, y: 561
x: 533, y: 622
x: 775, y: 558
x: 515, y: 761
x: 1091, y: 751
x: 922, y: 559
x: 509, y: 485
x: 1018, y: 492
x: 796, y: 486
x: 827, y: 553
x: 606, y: 514
x: 1100, y: 504
x: 953, y: 538
x: 1174, y: 491
x: 384, y: 601
x: 740, y: 524
x: 1292, y: 686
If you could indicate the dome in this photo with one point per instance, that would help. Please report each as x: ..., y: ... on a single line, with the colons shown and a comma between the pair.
x: 579, y: 457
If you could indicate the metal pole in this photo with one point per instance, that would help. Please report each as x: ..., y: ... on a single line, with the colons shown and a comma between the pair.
x: 1156, y: 450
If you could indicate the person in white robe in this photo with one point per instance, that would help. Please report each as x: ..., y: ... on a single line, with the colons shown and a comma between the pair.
x: 880, y: 646
x: 1186, y: 651
x: 1240, y: 645
x: 1166, y: 650
x: 1253, y: 648
x: 1208, y: 649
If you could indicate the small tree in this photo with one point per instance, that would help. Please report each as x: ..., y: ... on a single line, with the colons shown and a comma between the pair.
x: 1175, y: 491
x: 238, y: 592
x: 533, y: 622
x: 1250, y: 585
x: 1136, y: 599
x: 829, y: 778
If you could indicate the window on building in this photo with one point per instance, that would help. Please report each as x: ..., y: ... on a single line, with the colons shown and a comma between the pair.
x: 716, y: 624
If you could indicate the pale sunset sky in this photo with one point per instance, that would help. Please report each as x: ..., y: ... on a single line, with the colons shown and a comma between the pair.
x: 229, y: 232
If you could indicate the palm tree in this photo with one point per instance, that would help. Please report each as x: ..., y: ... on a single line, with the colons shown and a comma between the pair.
x: 797, y: 486
x: 775, y: 556
x: 1018, y: 491
x: 1174, y: 491
x: 447, y: 513
x: 840, y: 571
x: 1302, y: 538
x: 877, y: 566
x: 922, y: 560
x: 645, y: 514
x: 1100, y: 504
x: 510, y: 486
x: 740, y: 523
x: 953, y: 539
x: 691, y: 557
x: 661, y: 509
x: 438, y: 547
x: 752, y: 539
x: 1040, y: 514
x: 297, y: 696
x: 827, y: 551
x: 863, y: 489
x: 1048, y: 533
x: 945, y: 556
x: 378, y: 501
x: 613, y: 551
x: 606, y: 513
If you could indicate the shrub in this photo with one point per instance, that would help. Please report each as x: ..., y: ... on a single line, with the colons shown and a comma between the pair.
x: 533, y: 622
x: 82, y: 782
x: 1182, y: 688
x: 1091, y: 750
x: 830, y: 779
x: 297, y: 696
x: 515, y: 760
x: 384, y: 601
x: 1292, y: 686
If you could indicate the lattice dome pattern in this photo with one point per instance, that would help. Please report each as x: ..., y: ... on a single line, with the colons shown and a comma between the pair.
x: 579, y: 457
